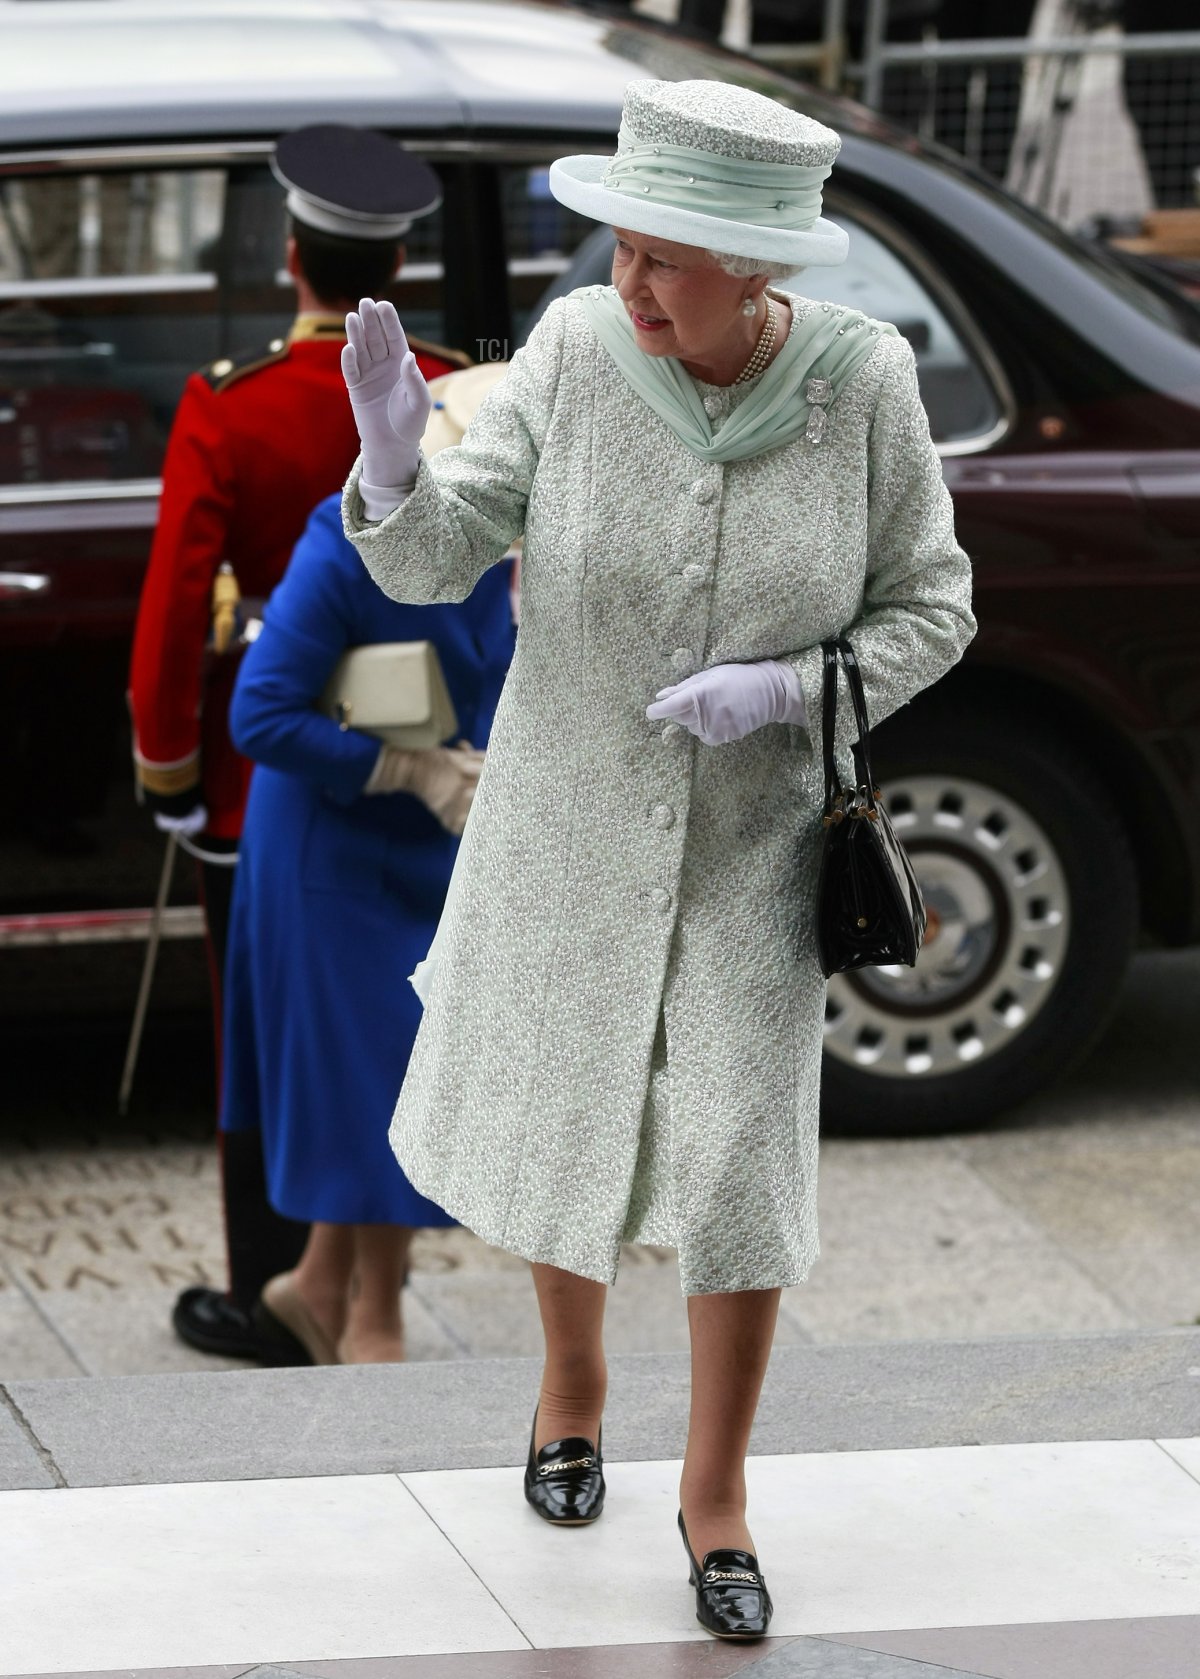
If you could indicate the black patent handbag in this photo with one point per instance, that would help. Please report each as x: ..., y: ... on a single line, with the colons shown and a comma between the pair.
x: 870, y: 911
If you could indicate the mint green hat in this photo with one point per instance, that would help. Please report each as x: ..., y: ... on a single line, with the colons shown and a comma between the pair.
x: 716, y: 166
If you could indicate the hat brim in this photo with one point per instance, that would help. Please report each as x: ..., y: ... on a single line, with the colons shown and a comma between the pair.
x: 577, y: 182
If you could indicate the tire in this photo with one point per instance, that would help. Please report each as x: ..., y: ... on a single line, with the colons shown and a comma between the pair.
x: 1031, y: 886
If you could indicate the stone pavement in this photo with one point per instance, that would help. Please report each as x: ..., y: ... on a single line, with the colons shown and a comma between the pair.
x: 972, y: 1510
x: 1079, y: 1214
x: 1063, y: 1227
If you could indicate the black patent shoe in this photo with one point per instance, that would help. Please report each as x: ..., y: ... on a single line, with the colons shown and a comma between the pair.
x: 565, y: 1480
x: 213, y: 1323
x: 732, y: 1600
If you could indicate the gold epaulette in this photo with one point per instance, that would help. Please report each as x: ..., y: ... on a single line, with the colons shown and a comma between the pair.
x: 227, y: 370
x: 457, y: 358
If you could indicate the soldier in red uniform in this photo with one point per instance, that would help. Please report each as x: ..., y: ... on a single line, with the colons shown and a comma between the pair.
x: 257, y: 441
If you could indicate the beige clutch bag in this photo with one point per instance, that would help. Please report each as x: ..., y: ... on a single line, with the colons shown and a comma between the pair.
x: 393, y: 690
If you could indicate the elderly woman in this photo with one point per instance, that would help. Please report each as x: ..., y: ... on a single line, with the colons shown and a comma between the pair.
x: 622, y: 1039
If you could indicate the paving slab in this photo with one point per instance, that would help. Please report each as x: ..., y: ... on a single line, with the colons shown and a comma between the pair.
x: 20, y: 1463
x: 95, y: 1222
x: 474, y: 1413
x: 493, y: 1313
x: 1185, y: 1452
x: 908, y: 1540
x: 29, y: 1346
x: 799, y: 1658
x: 1118, y: 1199
x: 709, y: 1660
x: 1154, y: 1647
x: 258, y: 1571
x: 793, y: 1658
x: 817, y: 1658
x: 110, y: 1333
x: 107, y: 1333
x: 226, y: 1670
x: 915, y: 1243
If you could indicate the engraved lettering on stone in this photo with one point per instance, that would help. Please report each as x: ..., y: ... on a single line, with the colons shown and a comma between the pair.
x: 193, y: 1273
x: 83, y: 1273
x: 37, y: 1247
x: 38, y: 1208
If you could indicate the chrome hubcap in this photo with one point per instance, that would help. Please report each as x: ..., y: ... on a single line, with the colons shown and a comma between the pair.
x: 999, y: 925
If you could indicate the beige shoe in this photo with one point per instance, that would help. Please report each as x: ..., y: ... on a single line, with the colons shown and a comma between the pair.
x: 280, y: 1313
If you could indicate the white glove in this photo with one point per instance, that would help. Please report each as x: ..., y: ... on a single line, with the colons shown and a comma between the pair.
x: 391, y: 404
x: 728, y: 701
x: 192, y: 823
x: 443, y: 778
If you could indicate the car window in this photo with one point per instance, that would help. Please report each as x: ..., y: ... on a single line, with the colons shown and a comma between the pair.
x: 108, y: 299
x: 958, y: 397
x: 115, y: 287
x: 541, y: 234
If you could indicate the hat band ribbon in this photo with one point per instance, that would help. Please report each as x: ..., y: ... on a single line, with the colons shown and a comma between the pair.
x: 783, y: 195
x: 347, y: 223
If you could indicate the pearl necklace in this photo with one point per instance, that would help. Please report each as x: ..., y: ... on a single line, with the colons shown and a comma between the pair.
x: 761, y: 354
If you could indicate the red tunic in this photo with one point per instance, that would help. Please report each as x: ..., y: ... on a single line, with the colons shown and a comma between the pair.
x: 253, y: 448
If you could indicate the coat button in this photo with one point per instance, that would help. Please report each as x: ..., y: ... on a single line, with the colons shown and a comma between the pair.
x: 660, y: 898
x: 664, y: 816
x: 694, y: 573
x: 682, y: 659
x: 712, y: 406
x: 672, y: 731
x: 703, y: 492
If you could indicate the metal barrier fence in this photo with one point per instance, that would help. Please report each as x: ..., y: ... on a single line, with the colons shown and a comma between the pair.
x: 1089, y: 126
x: 1088, y: 116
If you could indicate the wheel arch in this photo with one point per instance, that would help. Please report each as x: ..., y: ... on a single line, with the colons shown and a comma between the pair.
x: 1159, y: 852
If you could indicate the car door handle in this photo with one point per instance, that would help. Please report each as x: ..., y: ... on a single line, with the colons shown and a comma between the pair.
x: 19, y: 585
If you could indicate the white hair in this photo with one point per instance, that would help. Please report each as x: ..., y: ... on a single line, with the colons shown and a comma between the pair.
x: 746, y: 268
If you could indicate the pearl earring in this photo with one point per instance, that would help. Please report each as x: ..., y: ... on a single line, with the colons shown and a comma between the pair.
x: 749, y: 307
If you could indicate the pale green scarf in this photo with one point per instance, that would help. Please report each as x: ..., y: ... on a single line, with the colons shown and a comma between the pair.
x: 788, y: 401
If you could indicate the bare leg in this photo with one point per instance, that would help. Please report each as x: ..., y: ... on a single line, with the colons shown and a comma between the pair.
x: 575, y: 1376
x: 731, y: 1343
x: 322, y: 1278
x: 374, y: 1333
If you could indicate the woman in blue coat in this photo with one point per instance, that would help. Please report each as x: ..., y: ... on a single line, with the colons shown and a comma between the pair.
x: 341, y: 879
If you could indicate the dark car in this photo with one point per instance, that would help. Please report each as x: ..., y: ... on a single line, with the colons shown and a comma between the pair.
x: 1048, y: 789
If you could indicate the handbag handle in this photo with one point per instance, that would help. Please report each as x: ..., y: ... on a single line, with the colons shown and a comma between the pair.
x: 834, y: 650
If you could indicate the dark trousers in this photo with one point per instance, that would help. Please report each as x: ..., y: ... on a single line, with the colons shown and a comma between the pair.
x: 260, y: 1242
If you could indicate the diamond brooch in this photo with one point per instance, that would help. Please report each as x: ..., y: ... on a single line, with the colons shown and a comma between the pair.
x: 816, y: 392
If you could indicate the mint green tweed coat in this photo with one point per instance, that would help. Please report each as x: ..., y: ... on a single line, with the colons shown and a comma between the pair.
x: 622, y: 1039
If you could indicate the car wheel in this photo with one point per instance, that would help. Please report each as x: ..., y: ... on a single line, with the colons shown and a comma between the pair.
x: 1031, y: 890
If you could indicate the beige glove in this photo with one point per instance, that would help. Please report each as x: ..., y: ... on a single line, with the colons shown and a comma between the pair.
x: 443, y: 778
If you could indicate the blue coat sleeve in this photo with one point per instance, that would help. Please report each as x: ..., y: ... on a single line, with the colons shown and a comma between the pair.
x: 309, y: 623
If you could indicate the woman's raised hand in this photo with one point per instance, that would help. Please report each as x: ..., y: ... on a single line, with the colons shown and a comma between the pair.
x: 388, y: 394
